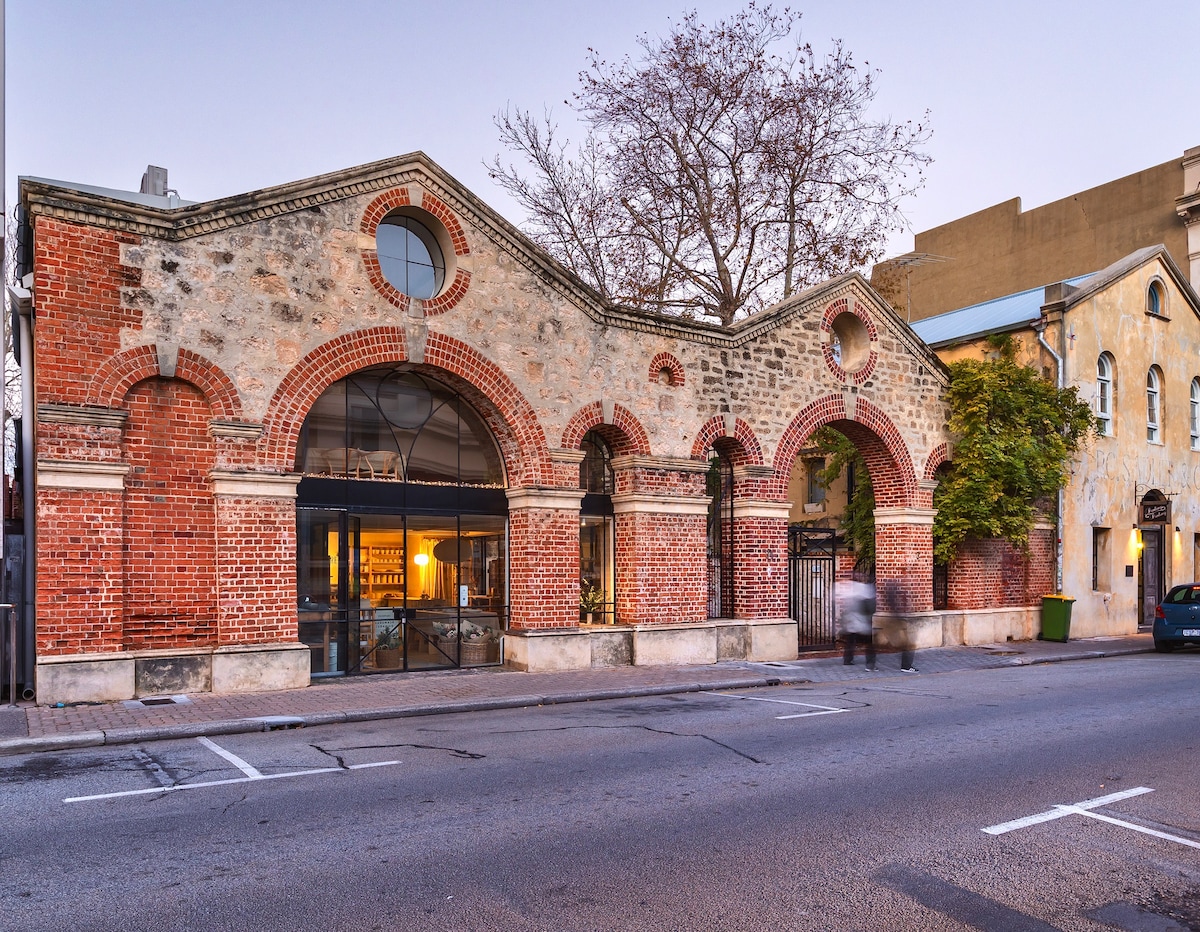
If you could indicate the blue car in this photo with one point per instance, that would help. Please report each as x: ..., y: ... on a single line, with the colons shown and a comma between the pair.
x: 1177, y: 618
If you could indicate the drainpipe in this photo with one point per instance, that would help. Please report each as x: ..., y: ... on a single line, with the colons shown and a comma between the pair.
x: 1040, y: 327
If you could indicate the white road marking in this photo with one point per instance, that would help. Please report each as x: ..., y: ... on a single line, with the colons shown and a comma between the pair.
x: 237, y: 762
x: 1059, y: 811
x: 252, y: 776
x: 824, y: 709
x: 1136, y: 828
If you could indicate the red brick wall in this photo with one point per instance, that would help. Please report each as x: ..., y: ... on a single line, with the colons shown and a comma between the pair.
x: 170, y: 553
x: 994, y: 574
x: 78, y: 279
x: 544, y: 574
x: 660, y: 568
x: 903, y: 561
x: 79, y: 579
x: 760, y: 567
x: 256, y: 570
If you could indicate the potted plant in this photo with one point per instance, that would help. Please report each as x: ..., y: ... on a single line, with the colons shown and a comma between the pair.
x: 591, y: 600
x: 387, y: 648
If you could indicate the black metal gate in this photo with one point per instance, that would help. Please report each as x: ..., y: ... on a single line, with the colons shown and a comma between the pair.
x: 720, y: 537
x: 812, y: 573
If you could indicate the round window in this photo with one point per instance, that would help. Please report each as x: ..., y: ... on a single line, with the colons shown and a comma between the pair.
x: 849, y: 342
x: 410, y: 257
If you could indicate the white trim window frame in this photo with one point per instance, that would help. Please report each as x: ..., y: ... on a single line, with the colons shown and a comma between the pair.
x: 1153, y: 406
x: 1194, y: 413
x: 1104, y: 394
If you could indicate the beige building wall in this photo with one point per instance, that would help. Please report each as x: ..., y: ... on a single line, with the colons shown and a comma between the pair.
x: 1002, y: 249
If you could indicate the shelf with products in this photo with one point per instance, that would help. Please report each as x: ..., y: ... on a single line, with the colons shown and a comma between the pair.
x: 383, y: 572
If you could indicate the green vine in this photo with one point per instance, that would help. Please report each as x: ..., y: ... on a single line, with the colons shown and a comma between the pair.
x: 1015, y: 436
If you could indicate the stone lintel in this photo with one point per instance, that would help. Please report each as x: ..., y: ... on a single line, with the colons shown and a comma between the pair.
x: 751, y: 508
x: 235, y: 430
x: 644, y: 503
x: 94, y: 477
x: 563, y: 455
x: 754, y: 471
x: 904, y: 516
x: 554, y: 499
x: 254, y: 484
x: 669, y: 463
x: 86, y: 415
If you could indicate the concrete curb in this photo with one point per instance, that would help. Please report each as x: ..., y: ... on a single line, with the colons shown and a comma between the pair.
x: 94, y: 738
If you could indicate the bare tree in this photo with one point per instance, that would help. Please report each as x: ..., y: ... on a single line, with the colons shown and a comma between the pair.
x: 717, y: 176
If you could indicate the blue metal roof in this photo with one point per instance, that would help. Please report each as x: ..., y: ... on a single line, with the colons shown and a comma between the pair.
x: 999, y: 314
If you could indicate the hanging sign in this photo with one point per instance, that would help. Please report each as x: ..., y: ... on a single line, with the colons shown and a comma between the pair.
x: 1155, y: 513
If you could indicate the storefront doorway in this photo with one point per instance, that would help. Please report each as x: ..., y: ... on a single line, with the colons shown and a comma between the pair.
x: 401, y: 528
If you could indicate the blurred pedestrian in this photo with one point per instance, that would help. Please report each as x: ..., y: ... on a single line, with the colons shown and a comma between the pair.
x: 856, y: 608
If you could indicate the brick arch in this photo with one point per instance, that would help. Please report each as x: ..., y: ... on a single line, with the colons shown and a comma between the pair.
x: 893, y: 474
x: 507, y: 413
x: 379, y: 208
x: 939, y: 456
x: 626, y: 434
x: 743, y: 445
x: 671, y: 364
x: 114, y: 379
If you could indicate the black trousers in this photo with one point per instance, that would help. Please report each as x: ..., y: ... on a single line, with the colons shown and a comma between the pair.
x: 868, y: 643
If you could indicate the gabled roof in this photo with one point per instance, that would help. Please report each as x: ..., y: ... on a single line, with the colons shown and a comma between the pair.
x: 182, y: 220
x: 1019, y: 310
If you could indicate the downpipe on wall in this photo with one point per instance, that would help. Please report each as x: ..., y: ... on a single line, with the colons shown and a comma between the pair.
x: 1040, y: 327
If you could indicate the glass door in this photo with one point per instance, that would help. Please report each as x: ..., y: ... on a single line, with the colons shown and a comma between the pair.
x: 320, y: 578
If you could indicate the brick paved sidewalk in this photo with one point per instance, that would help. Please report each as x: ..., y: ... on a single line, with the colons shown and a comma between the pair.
x: 35, y: 728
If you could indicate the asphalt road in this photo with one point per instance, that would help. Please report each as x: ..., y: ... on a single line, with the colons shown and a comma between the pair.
x: 831, y: 807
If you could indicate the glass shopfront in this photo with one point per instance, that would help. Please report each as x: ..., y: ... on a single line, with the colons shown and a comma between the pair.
x: 401, y: 530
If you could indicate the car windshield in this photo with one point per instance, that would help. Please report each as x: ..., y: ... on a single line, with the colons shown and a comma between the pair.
x: 1184, y: 594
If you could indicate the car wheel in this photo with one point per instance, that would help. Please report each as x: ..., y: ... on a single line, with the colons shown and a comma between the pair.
x: 1163, y: 647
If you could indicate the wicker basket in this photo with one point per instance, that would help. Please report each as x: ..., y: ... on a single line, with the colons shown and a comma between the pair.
x: 473, y: 652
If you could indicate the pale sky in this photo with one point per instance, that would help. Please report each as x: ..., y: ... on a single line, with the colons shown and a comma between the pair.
x: 1030, y: 99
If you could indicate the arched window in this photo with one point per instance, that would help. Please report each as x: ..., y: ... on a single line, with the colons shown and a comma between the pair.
x: 401, y: 527
x: 385, y: 423
x: 1194, y: 414
x: 1156, y: 303
x: 1104, y: 394
x: 1154, y: 405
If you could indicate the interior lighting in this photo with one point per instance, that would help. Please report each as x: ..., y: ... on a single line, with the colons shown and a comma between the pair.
x: 421, y: 559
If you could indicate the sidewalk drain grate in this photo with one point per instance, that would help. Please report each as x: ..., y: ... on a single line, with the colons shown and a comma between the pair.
x: 156, y: 700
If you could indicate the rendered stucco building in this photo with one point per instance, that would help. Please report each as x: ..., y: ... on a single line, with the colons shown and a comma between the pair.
x: 358, y: 422
x: 1128, y: 338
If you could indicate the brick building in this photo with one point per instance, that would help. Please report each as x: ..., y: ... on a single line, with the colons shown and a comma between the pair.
x: 359, y: 422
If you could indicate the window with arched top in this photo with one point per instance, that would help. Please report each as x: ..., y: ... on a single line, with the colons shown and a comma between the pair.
x: 1104, y: 394
x: 1154, y: 405
x: 1156, y: 299
x: 1194, y: 413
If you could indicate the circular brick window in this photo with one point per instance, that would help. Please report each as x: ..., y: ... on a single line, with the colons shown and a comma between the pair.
x: 849, y: 342
x: 411, y: 258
